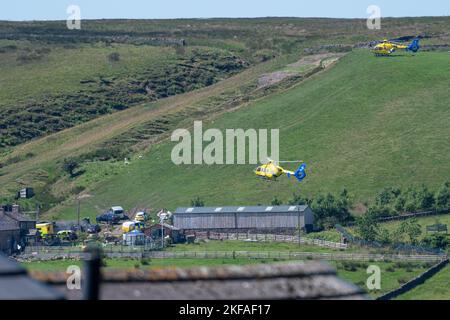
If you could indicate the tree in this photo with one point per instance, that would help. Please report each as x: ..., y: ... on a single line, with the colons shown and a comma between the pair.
x: 436, y: 240
x: 367, y: 226
x: 387, y: 196
x: 197, y: 202
x: 443, y: 196
x: 410, y: 228
x: 400, y: 203
x: 384, y: 197
x: 329, y: 210
x: 299, y: 200
x: 69, y: 166
x: 384, y: 236
x: 424, y: 198
x: 276, y: 202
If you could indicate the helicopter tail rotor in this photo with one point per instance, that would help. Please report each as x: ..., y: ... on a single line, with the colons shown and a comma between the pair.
x: 300, y: 173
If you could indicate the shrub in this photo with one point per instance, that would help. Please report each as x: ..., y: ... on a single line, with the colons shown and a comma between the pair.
x: 350, y: 266
x: 114, y: 57
x: 69, y: 166
x: 402, y: 280
x: 197, y: 202
x: 437, y: 240
x: 390, y: 269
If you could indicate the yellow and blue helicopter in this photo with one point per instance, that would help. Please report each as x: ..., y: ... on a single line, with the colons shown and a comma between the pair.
x: 271, y: 170
x: 388, y: 47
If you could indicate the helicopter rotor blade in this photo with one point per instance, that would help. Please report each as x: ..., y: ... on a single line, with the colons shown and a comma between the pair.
x: 291, y: 161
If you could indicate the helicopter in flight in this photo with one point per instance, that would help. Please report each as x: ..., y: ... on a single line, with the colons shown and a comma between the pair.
x: 388, y: 47
x: 271, y: 170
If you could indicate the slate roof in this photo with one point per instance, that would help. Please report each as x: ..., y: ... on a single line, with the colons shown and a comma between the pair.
x: 241, y: 209
x: 16, y: 285
x: 309, y: 280
x: 19, y: 217
x: 8, y: 225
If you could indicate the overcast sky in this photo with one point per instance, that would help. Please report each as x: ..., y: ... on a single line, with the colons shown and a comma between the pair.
x: 155, y: 9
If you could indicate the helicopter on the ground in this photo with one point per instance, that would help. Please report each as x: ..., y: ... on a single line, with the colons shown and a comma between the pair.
x: 271, y: 170
x: 388, y: 47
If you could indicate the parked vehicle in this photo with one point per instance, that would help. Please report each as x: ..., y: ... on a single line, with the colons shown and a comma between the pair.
x: 114, y: 215
x: 141, y: 216
x: 107, y: 217
x: 46, y: 229
x: 118, y: 211
x: 67, y: 235
x: 129, y: 226
x: 93, y: 228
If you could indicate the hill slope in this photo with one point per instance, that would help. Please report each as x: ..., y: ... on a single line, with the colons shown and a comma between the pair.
x: 365, y: 124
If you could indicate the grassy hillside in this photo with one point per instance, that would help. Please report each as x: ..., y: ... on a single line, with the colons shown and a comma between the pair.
x: 53, y: 78
x: 61, y: 86
x: 365, y: 124
x: 435, y: 288
x: 66, y: 78
x: 39, y: 162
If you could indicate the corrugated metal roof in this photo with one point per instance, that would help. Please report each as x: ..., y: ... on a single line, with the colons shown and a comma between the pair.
x: 241, y: 209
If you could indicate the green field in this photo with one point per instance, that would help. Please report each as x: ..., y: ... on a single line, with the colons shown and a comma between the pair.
x: 435, y: 288
x: 339, y: 130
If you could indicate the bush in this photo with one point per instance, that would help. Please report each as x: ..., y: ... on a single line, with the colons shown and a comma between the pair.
x: 443, y: 196
x: 436, y: 240
x: 114, y: 57
x: 390, y: 269
x: 402, y: 280
x: 352, y: 265
x: 69, y: 166
x: 197, y: 202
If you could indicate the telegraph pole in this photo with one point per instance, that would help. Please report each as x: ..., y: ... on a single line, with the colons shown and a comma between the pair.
x: 78, y: 213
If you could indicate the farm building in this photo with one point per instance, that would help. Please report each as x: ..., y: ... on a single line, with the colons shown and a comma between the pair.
x: 245, y: 218
x: 14, y: 229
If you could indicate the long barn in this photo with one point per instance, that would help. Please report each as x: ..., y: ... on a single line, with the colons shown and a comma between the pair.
x: 244, y: 218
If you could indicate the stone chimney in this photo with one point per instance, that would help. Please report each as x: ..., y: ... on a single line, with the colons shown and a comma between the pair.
x: 15, y: 209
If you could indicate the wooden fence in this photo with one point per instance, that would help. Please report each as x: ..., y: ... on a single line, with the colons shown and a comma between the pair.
x: 287, y: 255
x: 269, y: 237
x: 290, y: 255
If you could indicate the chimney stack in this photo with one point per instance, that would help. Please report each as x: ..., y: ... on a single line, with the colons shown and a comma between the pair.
x: 15, y: 209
